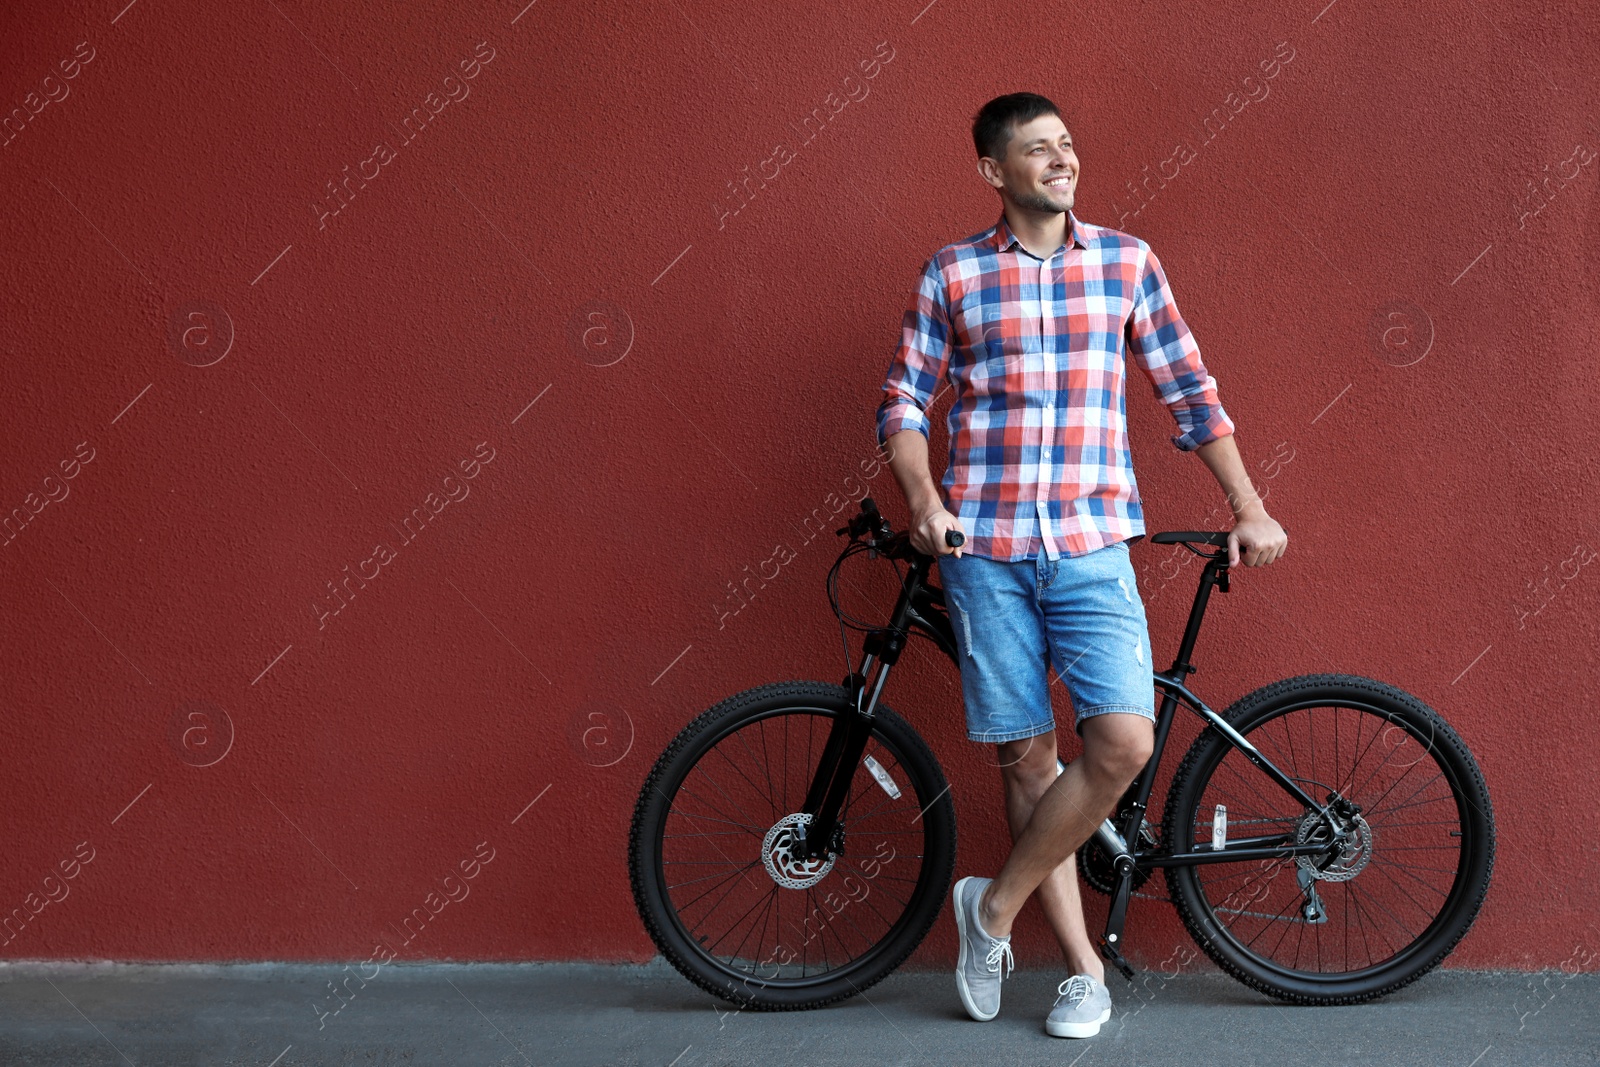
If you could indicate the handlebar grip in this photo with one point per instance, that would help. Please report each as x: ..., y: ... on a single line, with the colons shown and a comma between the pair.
x: 955, y: 538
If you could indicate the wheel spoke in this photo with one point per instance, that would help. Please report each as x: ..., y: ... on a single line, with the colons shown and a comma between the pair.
x: 689, y: 904
x: 759, y: 901
x: 767, y: 796
x: 757, y: 830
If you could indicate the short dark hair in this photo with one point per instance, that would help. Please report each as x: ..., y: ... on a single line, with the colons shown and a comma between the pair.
x: 992, y: 126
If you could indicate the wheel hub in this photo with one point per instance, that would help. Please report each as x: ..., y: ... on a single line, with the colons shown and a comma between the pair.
x: 785, y: 868
x: 1352, y: 856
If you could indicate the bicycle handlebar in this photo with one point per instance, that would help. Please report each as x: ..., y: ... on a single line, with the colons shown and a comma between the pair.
x: 881, y: 538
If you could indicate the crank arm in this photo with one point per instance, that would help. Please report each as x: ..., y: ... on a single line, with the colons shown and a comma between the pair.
x: 1112, y: 938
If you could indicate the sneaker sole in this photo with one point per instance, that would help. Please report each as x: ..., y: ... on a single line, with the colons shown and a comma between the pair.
x: 961, y: 961
x: 1063, y: 1029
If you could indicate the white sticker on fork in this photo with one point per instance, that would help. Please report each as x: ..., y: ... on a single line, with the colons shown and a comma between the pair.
x: 1219, y: 828
x: 883, y: 778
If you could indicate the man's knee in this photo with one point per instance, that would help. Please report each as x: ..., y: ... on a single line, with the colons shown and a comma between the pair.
x: 1028, y: 764
x: 1116, y: 746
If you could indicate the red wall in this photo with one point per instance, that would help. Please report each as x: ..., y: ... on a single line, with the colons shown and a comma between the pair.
x: 1401, y: 317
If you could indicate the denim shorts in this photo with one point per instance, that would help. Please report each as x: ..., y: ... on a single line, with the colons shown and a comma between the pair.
x: 1081, y: 615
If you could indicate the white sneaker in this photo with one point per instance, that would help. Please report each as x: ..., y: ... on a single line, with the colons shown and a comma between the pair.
x: 1083, y: 1004
x: 979, y: 969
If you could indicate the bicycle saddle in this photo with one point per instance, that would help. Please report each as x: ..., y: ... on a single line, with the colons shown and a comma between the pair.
x: 1215, y: 538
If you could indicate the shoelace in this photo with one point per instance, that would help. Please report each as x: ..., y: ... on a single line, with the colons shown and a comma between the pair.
x: 1000, y: 950
x: 1078, y: 984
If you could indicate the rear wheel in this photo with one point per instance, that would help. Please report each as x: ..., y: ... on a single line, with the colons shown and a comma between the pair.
x: 716, y: 887
x: 1411, y: 815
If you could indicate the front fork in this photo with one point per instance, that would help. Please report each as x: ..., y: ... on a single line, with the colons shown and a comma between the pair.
x: 847, y: 742
x: 847, y: 739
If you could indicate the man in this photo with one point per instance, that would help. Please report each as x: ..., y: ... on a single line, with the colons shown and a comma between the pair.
x: 1031, y: 323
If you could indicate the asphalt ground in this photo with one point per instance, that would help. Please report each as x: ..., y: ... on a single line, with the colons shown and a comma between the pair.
x: 280, y: 1015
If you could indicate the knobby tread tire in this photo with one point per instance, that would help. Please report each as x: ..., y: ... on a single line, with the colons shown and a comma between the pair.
x: 940, y: 846
x: 1245, y: 713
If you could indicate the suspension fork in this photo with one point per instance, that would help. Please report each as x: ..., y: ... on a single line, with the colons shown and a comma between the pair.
x: 847, y: 738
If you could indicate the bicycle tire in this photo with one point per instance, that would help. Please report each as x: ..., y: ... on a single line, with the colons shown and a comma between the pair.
x: 928, y: 800
x: 1424, y: 731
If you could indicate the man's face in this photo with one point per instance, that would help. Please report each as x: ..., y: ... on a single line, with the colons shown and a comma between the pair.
x: 1040, y: 170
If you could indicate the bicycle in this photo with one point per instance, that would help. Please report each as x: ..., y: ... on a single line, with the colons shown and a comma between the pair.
x: 800, y: 881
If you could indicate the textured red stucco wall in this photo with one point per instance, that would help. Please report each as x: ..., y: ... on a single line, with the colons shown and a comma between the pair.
x: 263, y: 311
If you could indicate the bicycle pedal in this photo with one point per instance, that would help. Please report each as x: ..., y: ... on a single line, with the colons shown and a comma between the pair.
x: 1114, y: 958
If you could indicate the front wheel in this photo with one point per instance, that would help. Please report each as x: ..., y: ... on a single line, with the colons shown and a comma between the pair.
x: 1411, y: 821
x: 715, y: 883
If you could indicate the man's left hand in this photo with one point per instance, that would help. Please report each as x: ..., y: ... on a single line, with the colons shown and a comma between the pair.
x: 1258, y: 540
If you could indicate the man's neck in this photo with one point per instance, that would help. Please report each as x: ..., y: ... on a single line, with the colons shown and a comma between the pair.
x: 1039, y: 232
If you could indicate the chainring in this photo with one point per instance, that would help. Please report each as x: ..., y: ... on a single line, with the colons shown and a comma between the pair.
x: 1095, y: 863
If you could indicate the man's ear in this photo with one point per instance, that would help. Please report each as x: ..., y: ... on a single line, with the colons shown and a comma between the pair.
x: 990, y: 173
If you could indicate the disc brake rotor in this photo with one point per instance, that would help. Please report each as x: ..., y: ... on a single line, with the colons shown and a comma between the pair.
x: 1352, y: 857
x: 777, y: 855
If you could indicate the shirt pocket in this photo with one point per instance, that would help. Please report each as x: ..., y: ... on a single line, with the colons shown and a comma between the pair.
x: 997, y: 370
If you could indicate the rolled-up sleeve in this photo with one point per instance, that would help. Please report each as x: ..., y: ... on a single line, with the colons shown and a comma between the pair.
x: 1160, y: 341
x: 919, y: 362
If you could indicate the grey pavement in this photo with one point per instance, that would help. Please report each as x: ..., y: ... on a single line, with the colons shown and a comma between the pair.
x: 64, y: 1015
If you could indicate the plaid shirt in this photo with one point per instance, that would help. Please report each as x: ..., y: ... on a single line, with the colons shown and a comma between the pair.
x: 1034, y: 350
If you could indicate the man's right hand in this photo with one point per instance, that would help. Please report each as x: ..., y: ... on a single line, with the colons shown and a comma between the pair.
x: 908, y: 458
x: 927, y: 531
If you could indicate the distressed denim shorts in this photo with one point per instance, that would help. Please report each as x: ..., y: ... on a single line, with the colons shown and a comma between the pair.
x: 1014, y: 622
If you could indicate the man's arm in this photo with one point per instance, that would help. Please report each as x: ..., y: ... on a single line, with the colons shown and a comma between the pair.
x: 1160, y: 342
x: 1166, y: 351
x: 1259, y: 536
x: 918, y: 366
x: 908, y: 460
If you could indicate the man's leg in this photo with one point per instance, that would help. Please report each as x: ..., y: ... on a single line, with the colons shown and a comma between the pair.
x: 1004, y: 656
x: 1028, y: 768
x: 1100, y: 646
x: 1115, y: 748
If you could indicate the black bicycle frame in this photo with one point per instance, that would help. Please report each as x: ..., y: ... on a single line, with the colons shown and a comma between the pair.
x: 1171, y: 683
x: 922, y: 606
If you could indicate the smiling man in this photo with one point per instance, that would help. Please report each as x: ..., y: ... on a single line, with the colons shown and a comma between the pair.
x: 1030, y: 323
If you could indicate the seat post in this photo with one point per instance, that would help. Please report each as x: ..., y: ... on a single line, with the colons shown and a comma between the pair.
x: 1215, y: 573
